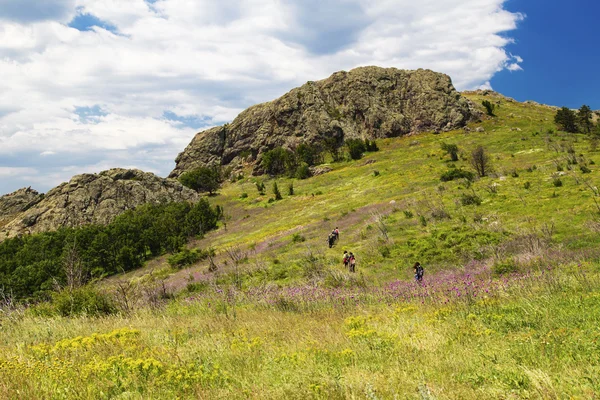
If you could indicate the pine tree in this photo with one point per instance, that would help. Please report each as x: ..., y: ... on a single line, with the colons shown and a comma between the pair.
x: 276, y: 192
x: 566, y: 119
x: 584, y: 117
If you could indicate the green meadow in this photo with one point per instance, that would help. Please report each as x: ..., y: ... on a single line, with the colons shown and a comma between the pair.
x: 509, y: 307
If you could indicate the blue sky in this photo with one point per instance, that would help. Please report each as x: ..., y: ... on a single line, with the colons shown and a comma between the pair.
x: 559, y: 43
x: 89, y: 85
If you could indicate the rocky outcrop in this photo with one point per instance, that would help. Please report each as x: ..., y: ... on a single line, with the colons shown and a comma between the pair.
x: 91, y: 198
x: 17, y: 202
x: 367, y: 102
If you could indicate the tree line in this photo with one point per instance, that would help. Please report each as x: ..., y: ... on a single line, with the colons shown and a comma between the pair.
x: 580, y: 121
x: 32, y: 266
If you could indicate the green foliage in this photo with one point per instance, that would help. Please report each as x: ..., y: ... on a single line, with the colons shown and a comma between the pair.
x: 203, y: 179
x: 371, y: 145
x: 567, y: 120
x: 276, y: 192
x: 279, y: 161
x: 505, y: 267
x: 584, y: 169
x: 309, y: 154
x: 408, y: 214
x: 298, y: 238
x: 260, y: 186
x: 356, y: 148
x: 82, y: 301
x: 184, y: 258
x: 291, y: 189
x: 303, y: 171
x: 557, y: 182
x: 584, y: 119
x: 489, y: 107
x: 451, y: 149
x: 455, y: 173
x: 32, y: 264
x: 527, y: 185
x: 467, y: 199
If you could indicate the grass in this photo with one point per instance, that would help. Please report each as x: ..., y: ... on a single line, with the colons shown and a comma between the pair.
x: 510, y: 306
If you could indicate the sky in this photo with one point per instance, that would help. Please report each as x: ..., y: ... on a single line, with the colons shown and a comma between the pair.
x: 88, y: 85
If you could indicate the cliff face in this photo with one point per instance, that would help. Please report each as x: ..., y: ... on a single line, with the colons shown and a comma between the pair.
x: 367, y: 102
x: 85, y: 199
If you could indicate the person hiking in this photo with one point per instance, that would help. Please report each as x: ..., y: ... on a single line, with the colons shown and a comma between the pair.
x: 346, y: 259
x: 352, y: 263
x: 330, y: 240
x: 419, y: 271
x: 336, y: 232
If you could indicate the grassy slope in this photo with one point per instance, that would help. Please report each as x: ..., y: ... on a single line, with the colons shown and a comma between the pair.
x: 531, y: 336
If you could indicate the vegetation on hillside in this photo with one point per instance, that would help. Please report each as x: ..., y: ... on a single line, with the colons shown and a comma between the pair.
x: 262, y: 308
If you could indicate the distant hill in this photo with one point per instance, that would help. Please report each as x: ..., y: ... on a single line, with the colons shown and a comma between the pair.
x: 87, y: 198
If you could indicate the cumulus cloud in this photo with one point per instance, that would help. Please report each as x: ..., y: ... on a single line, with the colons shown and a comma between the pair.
x: 91, y: 84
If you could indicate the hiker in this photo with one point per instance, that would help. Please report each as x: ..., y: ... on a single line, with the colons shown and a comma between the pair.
x: 330, y: 240
x: 336, y: 232
x: 346, y: 259
x: 352, y: 263
x: 418, y: 272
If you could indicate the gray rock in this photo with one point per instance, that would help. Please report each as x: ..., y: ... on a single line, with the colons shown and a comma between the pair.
x: 86, y: 199
x: 367, y: 102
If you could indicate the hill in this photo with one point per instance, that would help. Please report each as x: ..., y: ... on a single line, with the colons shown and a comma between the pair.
x: 365, y: 103
x: 508, y: 308
x: 85, y: 199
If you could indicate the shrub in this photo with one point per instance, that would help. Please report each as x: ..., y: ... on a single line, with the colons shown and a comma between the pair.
x: 184, y: 258
x: 455, y: 173
x: 557, y: 182
x: 261, y: 188
x: 303, y: 171
x: 514, y: 173
x: 584, y: 169
x: 451, y: 149
x: 422, y: 220
x: 408, y: 214
x: 291, y: 189
x: 279, y: 161
x: 85, y: 300
x: 298, y: 238
x: 276, y: 192
x: 385, y: 251
x: 309, y: 154
x: 375, y: 173
x: 371, y: 145
x: 527, y: 185
x: 356, y: 148
x: 244, y: 195
x: 489, y: 107
x: 481, y: 162
x: 467, y: 199
x: 505, y: 267
x: 203, y: 179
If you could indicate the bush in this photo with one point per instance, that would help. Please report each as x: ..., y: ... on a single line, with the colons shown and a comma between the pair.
x: 203, y: 179
x: 244, y: 195
x: 557, y: 182
x: 451, y: 149
x: 85, y: 300
x: 291, y: 189
x: 303, y: 171
x: 356, y: 148
x: 279, y: 161
x: 527, y: 185
x: 489, y: 107
x: 184, y: 258
x: 505, y: 267
x: 371, y: 145
x: 470, y: 199
x: 408, y: 214
x: 276, y: 192
x: 584, y: 169
x: 261, y: 188
x: 298, y: 238
x: 454, y: 173
x: 309, y: 154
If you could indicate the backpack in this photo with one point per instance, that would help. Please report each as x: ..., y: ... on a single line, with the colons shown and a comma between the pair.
x: 420, y: 270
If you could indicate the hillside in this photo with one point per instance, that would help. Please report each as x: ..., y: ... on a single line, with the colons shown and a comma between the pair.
x: 508, y: 308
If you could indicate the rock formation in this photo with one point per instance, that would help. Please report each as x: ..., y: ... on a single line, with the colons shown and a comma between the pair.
x: 87, y: 198
x: 367, y: 102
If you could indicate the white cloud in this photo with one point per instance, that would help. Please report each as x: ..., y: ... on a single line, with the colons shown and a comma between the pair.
x: 206, y: 61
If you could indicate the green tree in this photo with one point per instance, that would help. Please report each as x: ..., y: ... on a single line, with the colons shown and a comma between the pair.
x: 489, y: 108
x: 451, y: 149
x: 203, y: 179
x: 279, y: 161
x: 356, y: 148
x: 566, y: 119
x: 584, y: 117
x: 276, y: 191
